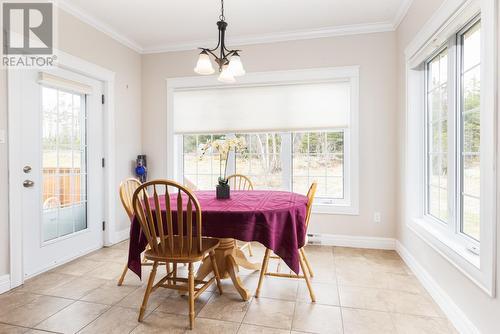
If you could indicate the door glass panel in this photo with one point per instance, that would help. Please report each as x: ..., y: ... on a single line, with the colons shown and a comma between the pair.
x: 64, y: 151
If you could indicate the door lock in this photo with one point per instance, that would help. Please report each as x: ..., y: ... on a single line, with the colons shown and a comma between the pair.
x: 28, y: 183
x: 27, y: 169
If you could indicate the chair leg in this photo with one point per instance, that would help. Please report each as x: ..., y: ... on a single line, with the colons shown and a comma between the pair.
x: 307, y: 262
x: 263, y: 271
x: 174, y: 274
x: 168, y: 268
x: 122, y: 277
x: 216, y: 271
x: 148, y: 291
x: 306, y: 277
x: 191, y: 296
x: 250, y: 252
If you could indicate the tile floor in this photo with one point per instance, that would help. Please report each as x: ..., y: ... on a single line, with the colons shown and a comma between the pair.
x: 358, y: 291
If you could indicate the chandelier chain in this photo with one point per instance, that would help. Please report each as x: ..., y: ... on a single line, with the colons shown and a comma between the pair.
x: 221, y: 16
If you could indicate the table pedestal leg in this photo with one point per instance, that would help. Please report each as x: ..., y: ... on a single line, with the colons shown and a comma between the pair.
x: 228, y: 257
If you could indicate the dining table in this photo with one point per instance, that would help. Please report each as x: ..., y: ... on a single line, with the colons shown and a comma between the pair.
x: 276, y: 219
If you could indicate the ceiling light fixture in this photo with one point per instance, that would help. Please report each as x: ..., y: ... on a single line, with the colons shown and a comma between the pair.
x: 229, y: 61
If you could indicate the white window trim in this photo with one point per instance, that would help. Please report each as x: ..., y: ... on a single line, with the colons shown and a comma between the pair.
x: 351, y: 73
x: 449, y: 18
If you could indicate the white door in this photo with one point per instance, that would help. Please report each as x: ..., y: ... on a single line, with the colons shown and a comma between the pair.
x: 61, y: 167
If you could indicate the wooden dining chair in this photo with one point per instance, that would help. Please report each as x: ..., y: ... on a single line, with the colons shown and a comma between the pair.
x: 127, y: 189
x: 173, y: 241
x: 305, y: 266
x: 241, y: 182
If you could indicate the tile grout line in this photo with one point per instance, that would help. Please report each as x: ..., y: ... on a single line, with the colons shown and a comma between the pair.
x: 338, y: 290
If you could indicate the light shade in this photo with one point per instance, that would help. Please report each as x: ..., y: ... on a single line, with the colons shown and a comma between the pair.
x: 204, y: 65
x: 235, y: 66
x: 226, y: 75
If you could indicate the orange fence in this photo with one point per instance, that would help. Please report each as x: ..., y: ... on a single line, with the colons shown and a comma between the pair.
x: 61, y: 186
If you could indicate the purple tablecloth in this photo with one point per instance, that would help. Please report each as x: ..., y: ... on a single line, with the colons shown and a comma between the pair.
x: 276, y: 219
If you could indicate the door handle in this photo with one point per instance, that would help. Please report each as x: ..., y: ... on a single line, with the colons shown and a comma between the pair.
x: 28, y: 183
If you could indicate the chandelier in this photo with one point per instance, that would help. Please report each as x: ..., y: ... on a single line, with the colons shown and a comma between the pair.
x: 228, y: 61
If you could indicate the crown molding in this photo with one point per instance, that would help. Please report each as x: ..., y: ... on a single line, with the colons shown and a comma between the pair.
x: 332, y: 31
x: 98, y: 24
x: 401, y: 13
x: 345, y: 30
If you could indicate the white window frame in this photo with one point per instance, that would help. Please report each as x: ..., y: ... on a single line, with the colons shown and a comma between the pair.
x: 449, y: 20
x: 350, y: 206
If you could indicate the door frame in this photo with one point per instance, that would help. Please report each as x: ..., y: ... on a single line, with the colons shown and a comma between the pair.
x: 80, y: 66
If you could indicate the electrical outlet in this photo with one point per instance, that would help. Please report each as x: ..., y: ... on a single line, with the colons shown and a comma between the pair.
x: 376, y: 218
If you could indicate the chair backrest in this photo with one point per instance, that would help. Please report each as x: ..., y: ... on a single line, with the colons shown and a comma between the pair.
x: 155, y: 214
x: 310, y: 199
x: 240, y: 182
x: 127, y: 188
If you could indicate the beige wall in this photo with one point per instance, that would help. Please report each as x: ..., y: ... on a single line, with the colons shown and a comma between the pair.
x: 482, y: 310
x: 85, y: 42
x: 376, y: 56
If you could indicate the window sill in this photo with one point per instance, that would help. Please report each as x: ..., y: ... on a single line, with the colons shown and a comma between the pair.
x: 452, y: 250
x: 335, y: 209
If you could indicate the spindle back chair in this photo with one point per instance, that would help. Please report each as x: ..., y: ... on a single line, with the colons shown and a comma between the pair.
x: 241, y: 182
x: 305, y: 266
x: 171, y: 220
x: 127, y: 189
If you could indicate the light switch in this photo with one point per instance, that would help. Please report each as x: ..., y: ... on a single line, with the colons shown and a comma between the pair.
x: 2, y: 136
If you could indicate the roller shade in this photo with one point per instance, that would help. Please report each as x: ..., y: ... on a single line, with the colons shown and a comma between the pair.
x: 55, y: 81
x: 295, y: 107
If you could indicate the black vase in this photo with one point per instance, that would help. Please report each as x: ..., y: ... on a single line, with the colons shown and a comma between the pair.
x: 222, y: 191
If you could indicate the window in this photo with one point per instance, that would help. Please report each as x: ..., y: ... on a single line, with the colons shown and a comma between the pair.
x: 300, y: 126
x: 455, y: 50
x: 64, y: 162
x: 453, y: 134
x: 280, y: 161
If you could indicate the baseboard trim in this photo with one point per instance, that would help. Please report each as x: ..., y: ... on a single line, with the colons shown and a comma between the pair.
x: 351, y: 241
x: 452, y: 311
x: 119, y: 236
x: 4, y: 283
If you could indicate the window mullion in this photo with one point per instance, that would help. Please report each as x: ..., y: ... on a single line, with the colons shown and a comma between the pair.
x: 231, y: 163
x: 286, y: 160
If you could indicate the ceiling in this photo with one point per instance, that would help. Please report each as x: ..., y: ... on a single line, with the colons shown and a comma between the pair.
x: 150, y: 26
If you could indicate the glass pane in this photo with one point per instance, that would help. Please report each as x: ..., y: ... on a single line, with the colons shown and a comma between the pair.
x: 64, y: 199
x: 201, y: 171
x: 471, y: 176
x: 471, y: 132
x: 262, y: 160
x: 437, y: 193
x: 471, y: 217
x: 472, y: 47
x: 470, y: 182
x: 301, y: 184
x: 472, y: 89
x: 434, y: 201
x: 335, y: 186
x: 319, y: 156
x: 437, y: 136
